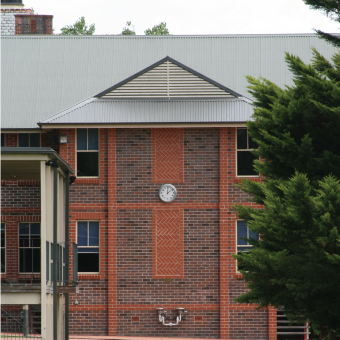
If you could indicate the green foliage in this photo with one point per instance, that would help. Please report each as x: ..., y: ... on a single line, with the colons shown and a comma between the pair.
x: 332, y: 9
x: 296, y: 264
x: 79, y: 28
x: 160, y: 29
x: 129, y: 29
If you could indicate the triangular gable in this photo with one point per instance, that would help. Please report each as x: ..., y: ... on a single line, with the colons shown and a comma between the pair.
x: 168, y: 79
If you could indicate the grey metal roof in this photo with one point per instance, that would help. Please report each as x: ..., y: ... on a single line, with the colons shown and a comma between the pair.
x: 107, y: 111
x: 42, y: 75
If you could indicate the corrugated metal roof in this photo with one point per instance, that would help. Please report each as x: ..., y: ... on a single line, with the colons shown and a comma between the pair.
x: 103, y: 111
x: 42, y: 75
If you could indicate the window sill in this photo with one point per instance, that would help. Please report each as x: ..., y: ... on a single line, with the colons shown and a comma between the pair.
x: 252, y: 178
x: 88, y: 276
x: 87, y: 180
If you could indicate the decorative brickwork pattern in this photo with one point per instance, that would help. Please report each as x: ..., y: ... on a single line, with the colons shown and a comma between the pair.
x: 168, y: 244
x: 167, y: 155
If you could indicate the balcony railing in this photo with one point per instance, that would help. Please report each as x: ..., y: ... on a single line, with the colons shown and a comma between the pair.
x: 21, y: 266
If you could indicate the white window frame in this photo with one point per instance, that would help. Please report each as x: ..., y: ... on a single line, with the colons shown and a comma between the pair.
x: 243, y: 150
x: 242, y: 246
x: 30, y: 272
x: 4, y: 224
x: 84, y: 247
x: 85, y: 151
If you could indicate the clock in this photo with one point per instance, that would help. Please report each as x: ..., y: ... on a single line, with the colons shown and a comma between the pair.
x: 167, y: 193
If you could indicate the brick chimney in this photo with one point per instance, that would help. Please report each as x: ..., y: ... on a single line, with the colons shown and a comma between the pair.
x: 33, y: 24
x: 15, y: 19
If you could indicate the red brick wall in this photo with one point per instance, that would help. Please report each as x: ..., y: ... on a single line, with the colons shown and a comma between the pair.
x: 148, y: 324
x: 91, y: 311
x: 248, y: 324
x: 11, y: 139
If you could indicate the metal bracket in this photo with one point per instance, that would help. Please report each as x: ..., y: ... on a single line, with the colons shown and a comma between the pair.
x: 162, y: 317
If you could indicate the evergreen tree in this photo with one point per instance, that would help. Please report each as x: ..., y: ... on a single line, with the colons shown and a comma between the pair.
x: 332, y: 9
x: 296, y: 262
x: 78, y: 28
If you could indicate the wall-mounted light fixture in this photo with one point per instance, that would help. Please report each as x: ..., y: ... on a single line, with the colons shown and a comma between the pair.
x: 162, y: 317
x: 62, y: 139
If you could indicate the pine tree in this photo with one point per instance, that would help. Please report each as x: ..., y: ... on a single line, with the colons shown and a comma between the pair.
x: 296, y: 262
x: 332, y: 9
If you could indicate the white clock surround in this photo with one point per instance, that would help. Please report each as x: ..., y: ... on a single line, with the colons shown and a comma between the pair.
x: 167, y: 193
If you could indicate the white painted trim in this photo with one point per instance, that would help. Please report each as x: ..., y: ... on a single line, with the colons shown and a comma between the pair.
x: 20, y: 298
x: 43, y: 233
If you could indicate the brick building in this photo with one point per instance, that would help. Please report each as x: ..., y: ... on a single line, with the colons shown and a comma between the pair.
x: 15, y: 19
x: 157, y: 157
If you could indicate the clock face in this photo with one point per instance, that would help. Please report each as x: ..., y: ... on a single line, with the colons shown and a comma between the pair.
x: 167, y: 193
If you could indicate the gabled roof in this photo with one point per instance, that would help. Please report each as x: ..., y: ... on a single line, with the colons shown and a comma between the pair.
x: 167, y: 92
x: 42, y: 75
x: 168, y: 78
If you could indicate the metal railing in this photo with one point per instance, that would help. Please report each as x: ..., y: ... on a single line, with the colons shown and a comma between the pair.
x: 13, y: 327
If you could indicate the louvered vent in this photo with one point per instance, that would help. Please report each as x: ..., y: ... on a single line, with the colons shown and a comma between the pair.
x: 168, y: 81
x: 287, y: 330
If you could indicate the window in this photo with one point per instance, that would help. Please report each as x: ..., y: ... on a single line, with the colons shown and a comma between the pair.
x: 29, y: 247
x: 87, y: 152
x: 3, y: 248
x: 245, y: 158
x: 243, y: 232
x: 88, y: 246
x: 2, y: 139
x: 29, y: 140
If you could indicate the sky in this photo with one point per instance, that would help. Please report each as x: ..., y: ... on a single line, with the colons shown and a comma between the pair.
x: 188, y: 17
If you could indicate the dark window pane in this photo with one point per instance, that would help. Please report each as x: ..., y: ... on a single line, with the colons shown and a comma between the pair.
x: 35, y: 229
x: 24, y: 234
x: 253, y: 236
x: 81, y: 139
x: 34, y: 140
x: 88, y: 262
x: 245, y: 164
x: 3, y: 260
x: 241, y: 138
x: 241, y: 232
x: 23, y: 140
x: 2, y: 139
x: 36, y: 260
x: 29, y: 258
x: 82, y: 234
x: 2, y: 235
x: 94, y: 234
x: 93, y: 139
x: 24, y: 229
x: 47, y: 261
x: 87, y: 164
x: 252, y: 144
